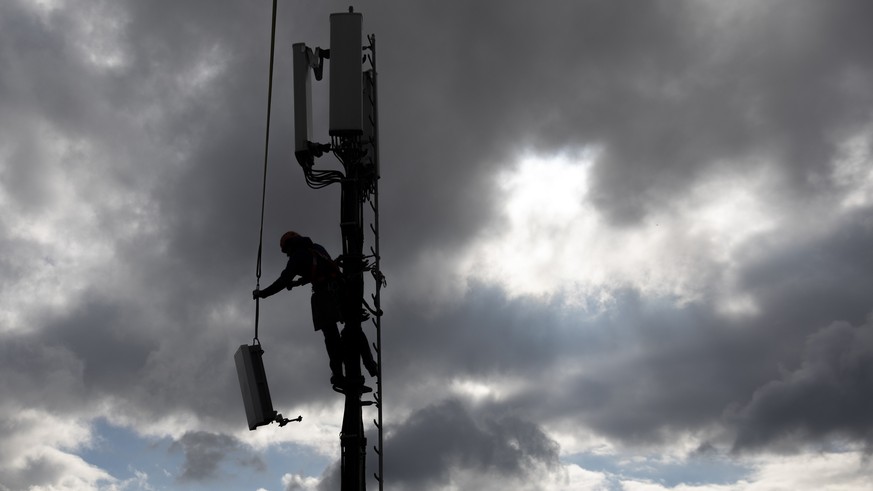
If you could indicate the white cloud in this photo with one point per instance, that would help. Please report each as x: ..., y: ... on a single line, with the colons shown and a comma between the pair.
x: 94, y: 29
x: 852, y: 169
x: 631, y: 485
x: 491, y: 389
x: 582, y: 479
x: 38, y: 451
x: 844, y: 471
x: 319, y: 430
x: 99, y: 38
x: 814, y: 471
x: 564, y: 477
x: 42, y: 7
x: 139, y: 482
x: 552, y: 238
x: 69, y: 239
x: 296, y: 482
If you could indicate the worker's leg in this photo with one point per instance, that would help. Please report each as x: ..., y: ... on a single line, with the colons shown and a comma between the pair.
x: 334, y: 351
x: 323, y: 319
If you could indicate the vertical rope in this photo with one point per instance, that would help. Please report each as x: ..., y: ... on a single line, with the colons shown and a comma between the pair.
x: 266, y: 159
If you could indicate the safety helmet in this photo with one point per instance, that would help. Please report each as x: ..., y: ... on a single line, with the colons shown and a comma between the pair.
x: 287, y: 236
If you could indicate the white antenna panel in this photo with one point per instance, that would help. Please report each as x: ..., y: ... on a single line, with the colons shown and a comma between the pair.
x: 302, y: 98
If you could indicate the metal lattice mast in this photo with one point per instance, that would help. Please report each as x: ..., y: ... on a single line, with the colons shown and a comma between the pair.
x: 371, y: 102
x: 354, y: 141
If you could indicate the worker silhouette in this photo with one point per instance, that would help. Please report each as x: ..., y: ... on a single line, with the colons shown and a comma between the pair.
x: 312, y: 264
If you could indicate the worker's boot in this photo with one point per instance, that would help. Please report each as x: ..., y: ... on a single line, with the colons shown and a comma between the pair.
x: 336, y: 369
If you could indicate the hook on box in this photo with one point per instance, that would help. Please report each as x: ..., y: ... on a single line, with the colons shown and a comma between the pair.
x: 283, y: 421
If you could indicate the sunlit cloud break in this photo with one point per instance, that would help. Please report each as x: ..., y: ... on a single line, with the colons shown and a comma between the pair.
x: 552, y: 238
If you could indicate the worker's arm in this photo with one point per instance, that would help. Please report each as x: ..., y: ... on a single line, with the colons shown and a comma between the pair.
x: 285, y: 280
x: 273, y: 289
x: 277, y: 286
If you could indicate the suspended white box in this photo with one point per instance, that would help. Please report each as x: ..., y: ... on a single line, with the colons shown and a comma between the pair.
x: 253, y: 384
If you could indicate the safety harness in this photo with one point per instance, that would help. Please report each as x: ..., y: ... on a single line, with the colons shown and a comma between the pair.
x: 322, y: 275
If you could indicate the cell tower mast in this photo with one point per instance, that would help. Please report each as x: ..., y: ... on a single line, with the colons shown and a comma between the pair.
x: 353, y: 130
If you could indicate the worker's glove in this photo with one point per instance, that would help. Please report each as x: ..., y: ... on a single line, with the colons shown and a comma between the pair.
x: 256, y: 294
x: 298, y: 282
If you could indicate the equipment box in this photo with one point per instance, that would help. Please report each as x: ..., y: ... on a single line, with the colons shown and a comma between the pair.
x: 253, y: 384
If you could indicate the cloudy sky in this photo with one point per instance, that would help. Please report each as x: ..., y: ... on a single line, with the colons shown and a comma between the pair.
x: 629, y: 245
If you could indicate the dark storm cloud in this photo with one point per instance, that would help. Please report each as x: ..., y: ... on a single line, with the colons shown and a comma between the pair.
x: 36, y: 375
x: 652, y: 370
x: 827, y: 395
x: 458, y: 439
x: 437, y: 442
x: 30, y: 90
x: 108, y: 350
x: 205, y: 452
x: 113, y: 349
x: 649, y: 368
x: 668, y: 103
x: 520, y: 74
x: 195, y: 152
x: 669, y: 91
x: 814, y: 281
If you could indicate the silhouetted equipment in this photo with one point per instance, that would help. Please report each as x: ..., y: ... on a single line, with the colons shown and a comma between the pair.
x: 302, y: 98
x: 353, y: 130
x: 345, y: 74
x: 305, y: 62
x: 255, y: 391
x: 248, y: 358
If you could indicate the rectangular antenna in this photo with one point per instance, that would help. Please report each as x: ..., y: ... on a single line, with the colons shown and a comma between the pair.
x: 345, y: 74
x: 253, y: 384
x: 302, y: 101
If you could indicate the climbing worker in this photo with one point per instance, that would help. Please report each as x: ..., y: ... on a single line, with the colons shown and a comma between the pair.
x: 312, y: 264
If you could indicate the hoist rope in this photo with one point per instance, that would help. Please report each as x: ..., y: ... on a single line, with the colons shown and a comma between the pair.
x: 266, y: 159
